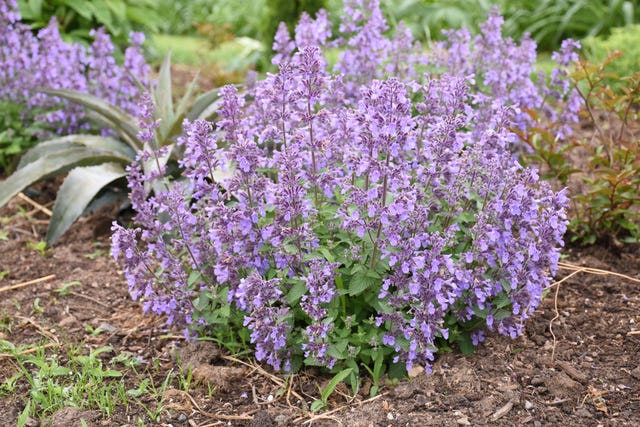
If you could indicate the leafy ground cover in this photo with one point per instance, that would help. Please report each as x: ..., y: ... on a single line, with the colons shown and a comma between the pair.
x: 68, y: 307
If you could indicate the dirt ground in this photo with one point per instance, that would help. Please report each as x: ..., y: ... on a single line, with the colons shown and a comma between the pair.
x: 595, y: 380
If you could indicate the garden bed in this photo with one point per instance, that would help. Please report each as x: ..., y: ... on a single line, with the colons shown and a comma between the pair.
x: 595, y: 379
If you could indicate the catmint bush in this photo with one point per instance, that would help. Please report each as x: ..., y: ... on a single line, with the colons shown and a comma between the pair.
x: 369, y: 216
x: 30, y: 63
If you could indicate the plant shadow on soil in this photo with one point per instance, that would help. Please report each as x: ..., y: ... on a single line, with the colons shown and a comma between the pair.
x: 595, y: 379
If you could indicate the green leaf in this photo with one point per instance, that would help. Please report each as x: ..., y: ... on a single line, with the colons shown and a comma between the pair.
x: 164, y: 98
x: 295, y: 293
x: 124, y: 123
x: 465, y: 344
x: 119, y: 9
x: 144, y: 16
x: 204, y: 105
x: 338, y: 350
x: 59, y: 371
x: 194, y: 277
x: 47, y: 148
x: 36, y: 7
x: 103, y: 16
x: 360, y: 282
x: 81, y: 7
x: 24, y: 415
x: 317, y: 405
x: 151, y: 164
x: 327, y: 254
x: 339, y: 377
x: 186, y: 98
x: 55, y: 164
x: 78, y: 189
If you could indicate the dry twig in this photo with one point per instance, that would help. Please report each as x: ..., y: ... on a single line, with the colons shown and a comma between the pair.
x: 29, y: 283
x: 261, y: 371
x: 35, y: 204
x: 40, y: 329
x: 29, y: 350
x: 327, y: 414
x: 578, y: 269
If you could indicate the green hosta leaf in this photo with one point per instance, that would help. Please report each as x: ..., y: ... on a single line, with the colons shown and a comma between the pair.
x: 142, y: 15
x: 77, y: 191
x: 125, y: 123
x: 47, y: 148
x: 52, y: 165
x: 81, y: 7
x: 118, y: 7
x: 103, y: 16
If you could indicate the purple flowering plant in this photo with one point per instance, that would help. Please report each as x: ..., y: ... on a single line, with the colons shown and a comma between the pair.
x: 37, y: 74
x: 86, y: 90
x: 364, y: 217
x: 31, y: 62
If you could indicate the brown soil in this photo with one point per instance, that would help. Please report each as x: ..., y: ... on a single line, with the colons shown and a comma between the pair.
x: 595, y: 379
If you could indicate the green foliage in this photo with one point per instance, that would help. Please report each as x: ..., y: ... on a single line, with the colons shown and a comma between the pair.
x: 329, y: 388
x: 600, y: 165
x: 83, y: 381
x: 241, y: 18
x: 76, y: 18
x: 548, y: 21
x: 39, y: 247
x: 95, y: 162
x: 287, y: 11
x: 66, y: 288
x: 610, y: 206
x: 625, y: 40
x: 551, y: 21
x: 16, y: 134
x: 428, y: 18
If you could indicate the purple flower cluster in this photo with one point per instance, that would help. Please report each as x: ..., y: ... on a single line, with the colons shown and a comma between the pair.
x: 502, y: 70
x: 357, y: 210
x: 30, y: 63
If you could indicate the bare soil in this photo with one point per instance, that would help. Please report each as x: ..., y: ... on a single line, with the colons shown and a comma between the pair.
x: 588, y: 376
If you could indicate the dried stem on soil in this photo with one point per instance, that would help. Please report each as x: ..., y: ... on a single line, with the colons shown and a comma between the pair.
x: 328, y: 414
x: 35, y: 204
x: 29, y: 283
x: 589, y: 270
x: 577, y: 269
x: 40, y: 329
x: 273, y: 378
x: 29, y: 350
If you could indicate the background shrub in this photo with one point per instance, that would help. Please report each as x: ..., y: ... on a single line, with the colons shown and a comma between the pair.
x: 551, y: 21
x: 624, y: 40
x: 77, y: 18
x: 600, y: 162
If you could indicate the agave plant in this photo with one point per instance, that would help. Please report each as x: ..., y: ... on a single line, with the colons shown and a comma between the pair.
x: 94, y: 162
